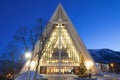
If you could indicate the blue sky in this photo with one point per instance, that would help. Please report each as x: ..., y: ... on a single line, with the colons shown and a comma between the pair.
x: 96, y: 21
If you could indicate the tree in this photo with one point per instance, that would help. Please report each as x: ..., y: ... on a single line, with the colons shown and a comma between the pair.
x: 22, y: 37
x: 82, y: 68
x: 10, y: 59
x: 28, y: 38
x: 12, y: 52
x: 35, y: 33
x: 3, y: 63
x: 43, y: 38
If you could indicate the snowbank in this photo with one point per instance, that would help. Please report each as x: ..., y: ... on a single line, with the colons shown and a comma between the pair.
x: 24, y: 76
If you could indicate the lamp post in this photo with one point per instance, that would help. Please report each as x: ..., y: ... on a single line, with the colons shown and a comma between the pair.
x: 28, y: 56
x: 112, y: 65
x: 89, y: 65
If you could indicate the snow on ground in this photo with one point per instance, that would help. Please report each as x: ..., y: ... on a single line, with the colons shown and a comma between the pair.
x: 60, y: 77
x: 24, y: 76
x: 106, y: 76
x: 109, y: 76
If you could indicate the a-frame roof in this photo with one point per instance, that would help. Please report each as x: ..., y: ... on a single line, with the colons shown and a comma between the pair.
x: 61, y: 15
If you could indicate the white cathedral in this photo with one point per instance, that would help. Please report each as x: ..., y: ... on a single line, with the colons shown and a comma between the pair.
x: 64, y: 48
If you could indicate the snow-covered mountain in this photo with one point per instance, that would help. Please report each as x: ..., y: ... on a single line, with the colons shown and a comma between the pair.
x: 105, y: 55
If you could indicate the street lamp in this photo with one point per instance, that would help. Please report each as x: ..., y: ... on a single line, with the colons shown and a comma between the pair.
x: 112, y: 65
x: 89, y: 64
x: 28, y: 56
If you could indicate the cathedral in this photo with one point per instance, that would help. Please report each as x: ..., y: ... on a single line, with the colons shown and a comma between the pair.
x: 63, y: 49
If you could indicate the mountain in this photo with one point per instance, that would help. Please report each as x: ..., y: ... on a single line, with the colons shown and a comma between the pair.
x: 105, y: 55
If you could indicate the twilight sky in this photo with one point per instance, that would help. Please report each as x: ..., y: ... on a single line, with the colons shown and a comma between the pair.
x: 96, y: 21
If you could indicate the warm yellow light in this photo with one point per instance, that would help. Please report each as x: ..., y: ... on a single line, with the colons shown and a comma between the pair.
x: 91, y: 63
x: 112, y: 65
x: 41, y: 60
x: 67, y: 61
x: 66, y: 42
x: 57, y: 26
x: 44, y: 54
x: 8, y: 75
x: 88, y: 64
x: 27, y: 54
x: 50, y: 55
x: 60, y: 47
x: 63, y: 26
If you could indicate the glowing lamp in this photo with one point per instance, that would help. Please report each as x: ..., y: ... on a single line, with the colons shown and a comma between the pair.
x: 27, y: 54
x: 112, y: 65
x: 89, y: 64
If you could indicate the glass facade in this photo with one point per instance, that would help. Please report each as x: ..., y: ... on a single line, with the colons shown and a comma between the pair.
x: 60, y: 42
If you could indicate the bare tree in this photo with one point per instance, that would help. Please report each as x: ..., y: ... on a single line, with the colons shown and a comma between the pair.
x: 10, y: 59
x: 4, y: 62
x: 22, y: 37
x: 12, y: 51
x: 43, y: 39
x: 40, y: 52
x: 29, y: 37
x: 35, y: 35
x: 35, y: 32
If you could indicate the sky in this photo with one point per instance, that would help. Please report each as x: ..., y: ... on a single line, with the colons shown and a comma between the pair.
x: 96, y: 21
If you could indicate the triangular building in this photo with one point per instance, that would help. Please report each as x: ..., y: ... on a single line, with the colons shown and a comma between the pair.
x: 63, y: 48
